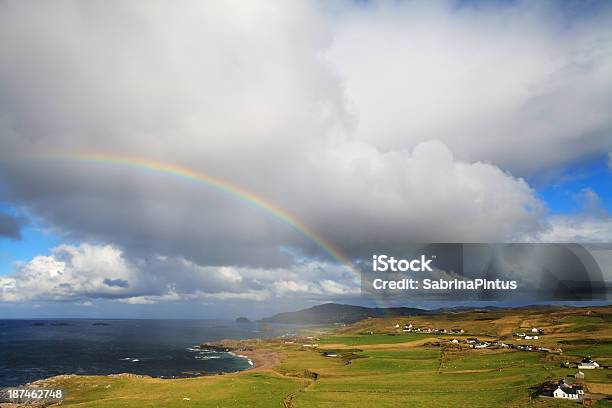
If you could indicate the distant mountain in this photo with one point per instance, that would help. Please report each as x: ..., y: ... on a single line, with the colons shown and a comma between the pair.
x: 337, y: 313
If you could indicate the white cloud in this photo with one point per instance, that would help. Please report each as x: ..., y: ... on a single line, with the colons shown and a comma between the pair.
x: 170, y: 296
x: 85, y: 272
x: 329, y: 117
x: 138, y: 300
x: 256, y: 295
x: 578, y: 229
x: 230, y: 275
x: 286, y: 287
x: 323, y: 288
x: 368, y: 125
x: 592, y: 223
x: 523, y: 85
x: 337, y: 288
x: 70, y: 273
x: 422, y: 195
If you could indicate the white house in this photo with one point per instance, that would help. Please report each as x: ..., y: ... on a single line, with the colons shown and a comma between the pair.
x: 535, y: 330
x: 588, y: 366
x: 454, y: 341
x: 567, y: 389
x: 566, y: 392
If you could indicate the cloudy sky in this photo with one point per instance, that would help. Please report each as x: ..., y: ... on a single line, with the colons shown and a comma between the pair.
x: 373, y: 123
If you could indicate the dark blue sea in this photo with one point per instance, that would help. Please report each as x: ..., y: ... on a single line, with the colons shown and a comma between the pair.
x: 36, y: 349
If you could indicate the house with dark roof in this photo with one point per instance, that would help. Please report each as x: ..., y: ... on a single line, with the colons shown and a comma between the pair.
x: 587, y: 364
x: 567, y: 391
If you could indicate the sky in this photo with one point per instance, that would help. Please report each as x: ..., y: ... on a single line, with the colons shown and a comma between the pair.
x: 328, y: 129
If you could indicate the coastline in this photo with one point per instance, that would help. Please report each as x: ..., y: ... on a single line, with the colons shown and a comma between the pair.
x: 259, y: 359
x: 101, y: 350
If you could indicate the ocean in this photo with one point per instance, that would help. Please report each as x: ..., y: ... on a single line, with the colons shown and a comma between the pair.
x: 36, y: 349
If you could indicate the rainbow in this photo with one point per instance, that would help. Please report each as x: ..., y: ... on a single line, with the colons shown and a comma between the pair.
x: 209, y: 181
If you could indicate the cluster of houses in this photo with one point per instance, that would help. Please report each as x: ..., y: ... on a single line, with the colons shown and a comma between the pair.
x: 532, y: 335
x: 569, y: 388
x: 473, y: 342
x: 313, y: 345
x: 408, y: 328
x: 585, y: 364
x: 528, y: 347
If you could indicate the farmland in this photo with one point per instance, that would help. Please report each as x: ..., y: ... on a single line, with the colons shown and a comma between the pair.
x: 375, y: 363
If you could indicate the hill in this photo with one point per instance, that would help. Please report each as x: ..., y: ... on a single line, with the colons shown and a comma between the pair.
x: 338, y: 313
x: 374, y: 362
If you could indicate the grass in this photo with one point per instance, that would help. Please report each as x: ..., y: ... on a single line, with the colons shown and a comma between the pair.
x: 382, y: 370
x: 413, y: 376
x: 367, y: 339
x: 253, y: 390
x: 602, y: 348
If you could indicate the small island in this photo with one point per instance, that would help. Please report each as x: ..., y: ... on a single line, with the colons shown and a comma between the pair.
x: 242, y: 319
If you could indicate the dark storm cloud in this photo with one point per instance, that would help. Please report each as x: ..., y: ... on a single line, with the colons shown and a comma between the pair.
x: 10, y: 226
x: 120, y: 283
x: 368, y: 126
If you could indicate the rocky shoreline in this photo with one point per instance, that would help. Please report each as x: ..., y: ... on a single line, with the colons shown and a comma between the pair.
x: 257, y: 358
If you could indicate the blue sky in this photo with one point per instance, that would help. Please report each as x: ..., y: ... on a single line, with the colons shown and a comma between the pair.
x: 35, y: 241
x: 562, y: 193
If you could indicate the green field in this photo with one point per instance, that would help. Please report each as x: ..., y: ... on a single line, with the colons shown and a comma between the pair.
x: 378, y: 370
x: 362, y: 339
x: 249, y: 389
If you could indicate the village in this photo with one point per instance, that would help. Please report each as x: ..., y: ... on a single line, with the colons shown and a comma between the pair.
x: 566, y: 388
x: 570, y: 387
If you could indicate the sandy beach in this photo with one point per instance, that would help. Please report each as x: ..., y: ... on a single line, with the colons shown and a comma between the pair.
x: 262, y: 358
